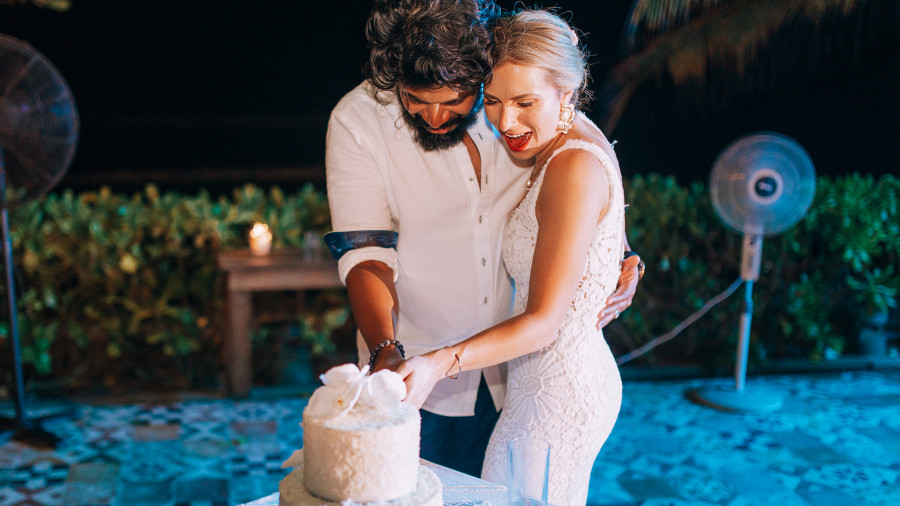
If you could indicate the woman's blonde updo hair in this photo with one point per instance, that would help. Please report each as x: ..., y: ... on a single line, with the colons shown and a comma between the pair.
x: 541, y: 39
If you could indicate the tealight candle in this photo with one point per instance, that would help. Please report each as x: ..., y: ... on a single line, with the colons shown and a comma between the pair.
x: 260, y: 239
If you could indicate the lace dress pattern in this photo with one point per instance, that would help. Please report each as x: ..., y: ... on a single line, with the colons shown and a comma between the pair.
x: 570, y: 392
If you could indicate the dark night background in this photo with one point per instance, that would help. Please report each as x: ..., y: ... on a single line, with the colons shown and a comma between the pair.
x: 193, y: 94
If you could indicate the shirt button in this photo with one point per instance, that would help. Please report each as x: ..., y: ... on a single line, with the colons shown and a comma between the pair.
x: 485, y: 300
x: 471, y: 179
x: 483, y: 262
x: 480, y: 219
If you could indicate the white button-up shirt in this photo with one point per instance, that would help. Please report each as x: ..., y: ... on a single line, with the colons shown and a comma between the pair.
x: 448, y: 267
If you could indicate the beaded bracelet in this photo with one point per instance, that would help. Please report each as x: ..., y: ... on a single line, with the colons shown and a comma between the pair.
x: 383, y: 344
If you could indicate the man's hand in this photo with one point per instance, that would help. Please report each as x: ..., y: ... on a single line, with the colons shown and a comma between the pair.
x: 621, y: 299
x: 388, y: 357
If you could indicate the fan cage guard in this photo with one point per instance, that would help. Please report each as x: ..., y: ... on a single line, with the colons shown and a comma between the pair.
x: 39, y: 122
x: 762, y: 183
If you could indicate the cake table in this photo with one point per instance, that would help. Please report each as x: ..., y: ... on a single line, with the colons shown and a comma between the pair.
x: 458, y: 487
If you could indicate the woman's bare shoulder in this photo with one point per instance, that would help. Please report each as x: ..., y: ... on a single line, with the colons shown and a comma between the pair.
x: 575, y: 168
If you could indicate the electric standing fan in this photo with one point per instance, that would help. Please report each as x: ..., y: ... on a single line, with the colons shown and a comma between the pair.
x: 38, y: 133
x: 761, y: 185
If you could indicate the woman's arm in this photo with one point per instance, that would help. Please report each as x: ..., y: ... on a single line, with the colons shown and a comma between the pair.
x: 574, y: 193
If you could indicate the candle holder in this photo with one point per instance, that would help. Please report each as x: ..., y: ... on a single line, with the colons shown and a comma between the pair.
x: 260, y: 239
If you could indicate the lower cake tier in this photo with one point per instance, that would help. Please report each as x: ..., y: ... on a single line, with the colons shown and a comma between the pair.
x: 292, y: 492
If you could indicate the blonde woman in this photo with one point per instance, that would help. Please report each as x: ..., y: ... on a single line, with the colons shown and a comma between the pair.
x: 563, y: 245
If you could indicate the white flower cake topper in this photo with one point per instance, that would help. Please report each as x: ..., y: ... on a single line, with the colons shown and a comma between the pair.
x: 345, y: 385
x: 384, y: 390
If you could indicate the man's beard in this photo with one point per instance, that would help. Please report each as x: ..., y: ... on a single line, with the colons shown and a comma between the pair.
x: 436, y: 142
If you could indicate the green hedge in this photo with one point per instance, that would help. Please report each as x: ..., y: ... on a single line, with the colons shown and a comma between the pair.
x: 124, y: 290
x: 818, y: 281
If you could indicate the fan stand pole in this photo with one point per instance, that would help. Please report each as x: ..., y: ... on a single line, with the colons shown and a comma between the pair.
x: 740, y: 366
x: 24, y: 429
x: 741, y: 397
x: 15, y: 351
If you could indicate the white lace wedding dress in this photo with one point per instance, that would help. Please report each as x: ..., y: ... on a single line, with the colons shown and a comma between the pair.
x: 568, y: 393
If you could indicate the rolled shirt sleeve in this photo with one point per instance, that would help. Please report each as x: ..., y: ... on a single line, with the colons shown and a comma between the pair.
x: 356, y: 191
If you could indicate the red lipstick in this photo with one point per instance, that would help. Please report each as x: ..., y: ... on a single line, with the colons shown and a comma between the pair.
x: 518, y: 143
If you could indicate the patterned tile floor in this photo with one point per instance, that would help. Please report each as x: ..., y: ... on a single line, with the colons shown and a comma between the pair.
x: 835, y: 441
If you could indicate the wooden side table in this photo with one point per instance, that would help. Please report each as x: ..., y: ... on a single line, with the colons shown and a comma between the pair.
x: 282, y: 269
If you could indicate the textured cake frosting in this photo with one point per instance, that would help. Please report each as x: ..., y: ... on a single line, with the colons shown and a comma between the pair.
x: 364, y: 455
x: 292, y: 492
x: 360, y: 445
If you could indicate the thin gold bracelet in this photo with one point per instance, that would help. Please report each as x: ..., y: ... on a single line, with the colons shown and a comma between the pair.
x: 459, y: 368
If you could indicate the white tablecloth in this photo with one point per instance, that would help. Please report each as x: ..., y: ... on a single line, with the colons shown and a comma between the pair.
x: 459, y: 489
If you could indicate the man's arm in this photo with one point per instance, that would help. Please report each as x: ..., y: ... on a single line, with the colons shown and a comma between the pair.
x: 373, y: 299
x: 358, y: 201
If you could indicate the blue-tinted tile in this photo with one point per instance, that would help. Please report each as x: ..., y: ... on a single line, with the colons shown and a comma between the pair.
x: 207, y: 490
x: 254, y: 429
x: 674, y: 501
x: 820, y: 455
x: 145, y: 492
x: 700, y: 486
x: 663, y: 445
x: 852, y: 477
x: 887, y: 437
x: 91, y: 483
x: 50, y: 495
x: 883, y: 496
x: 828, y: 445
x: 206, y: 448
x: 875, y: 401
x: 151, y: 467
x: 779, y: 497
x: 250, y: 487
x: 646, y: 487
x: 606, y: 491
x: 745, y: 480
x: 88, y: 494
x: 156, y: 432
x: 796, y: 439
x: 93, y: 472
x: 819, y: 495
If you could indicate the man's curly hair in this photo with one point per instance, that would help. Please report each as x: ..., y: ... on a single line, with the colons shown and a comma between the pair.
x: 429, y: 43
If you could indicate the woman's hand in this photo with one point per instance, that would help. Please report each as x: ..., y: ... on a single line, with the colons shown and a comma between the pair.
x: 420, y: 374
x: 621, y: 299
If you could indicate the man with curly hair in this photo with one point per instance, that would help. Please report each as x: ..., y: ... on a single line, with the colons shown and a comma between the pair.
x: 420, y: 187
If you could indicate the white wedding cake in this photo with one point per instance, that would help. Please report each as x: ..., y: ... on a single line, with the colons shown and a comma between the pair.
x: 360, y: 445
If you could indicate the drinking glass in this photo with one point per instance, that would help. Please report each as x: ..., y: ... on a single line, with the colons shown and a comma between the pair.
x: 312, y: 246
x: 528, y: 471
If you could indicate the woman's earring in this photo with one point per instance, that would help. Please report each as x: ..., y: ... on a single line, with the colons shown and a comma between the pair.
x: 566, y: 118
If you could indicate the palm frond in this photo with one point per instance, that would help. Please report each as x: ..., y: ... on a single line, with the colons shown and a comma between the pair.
x: 649, y: 19
x: 56, y: 5
x: 730, y: 37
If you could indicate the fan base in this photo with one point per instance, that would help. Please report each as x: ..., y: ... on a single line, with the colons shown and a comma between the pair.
x: 730, y: 399
x: 31, y: 431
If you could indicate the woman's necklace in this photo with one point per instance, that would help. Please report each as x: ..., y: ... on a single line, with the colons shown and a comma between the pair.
x: 531, y: 178
x: 536, y: 171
